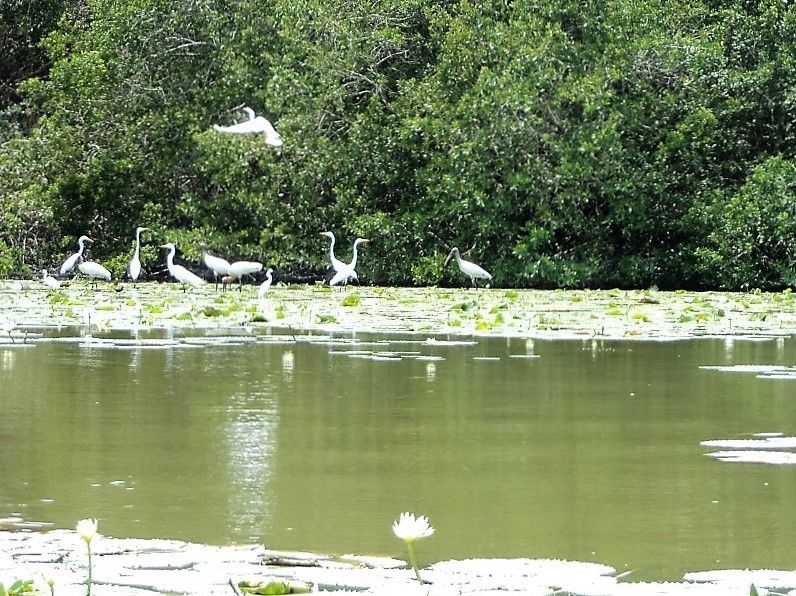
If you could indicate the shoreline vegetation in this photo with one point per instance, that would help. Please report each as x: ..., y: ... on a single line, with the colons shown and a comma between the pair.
x: 557, y: 144
x: 29, y: 306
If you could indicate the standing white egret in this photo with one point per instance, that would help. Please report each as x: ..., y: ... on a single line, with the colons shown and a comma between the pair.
x: 348, y: 271
x: 336, y: 263
x: 240, y: 268
x: 266, y: 284
x: 94, y: 270
x: 49, y: 280
x: 255, y: 125
x: 134, y: 268
x: 217, y: 265
x: 178, y: 272
x: 77, y: 258
x: 471, y: 270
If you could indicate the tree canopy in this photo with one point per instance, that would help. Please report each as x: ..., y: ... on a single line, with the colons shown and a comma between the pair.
x: 559, y: 144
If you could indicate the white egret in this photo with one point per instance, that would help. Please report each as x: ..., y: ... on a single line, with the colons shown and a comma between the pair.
x: 336, y: 263
x: 255, y: 125
x: 134, y: 268
x: 348, y: 272
x: 266, y: 284
x: 77, y: 258
x: 94, y: 270
x: 178, y: 272
x: 49, y: 280
x: 471, y: 270
x: 217, y: 265
x: 238, y: 269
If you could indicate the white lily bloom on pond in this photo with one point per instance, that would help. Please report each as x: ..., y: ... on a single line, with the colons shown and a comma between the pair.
x: 410, y: 528
x: 87, y: 529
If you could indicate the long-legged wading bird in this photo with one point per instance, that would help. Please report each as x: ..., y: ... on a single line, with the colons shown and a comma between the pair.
x: 94, y: 270
x: 266, y: 284
x: 337, y: 264
x: 239, y: 269
x: 348, y: 272
x: 253, y: 126
x: 471, y: 270
x: 178, y: 272
x: 217, y: 265
x: 77, y: 258
x: 134, y: 268
x: 49, y: 280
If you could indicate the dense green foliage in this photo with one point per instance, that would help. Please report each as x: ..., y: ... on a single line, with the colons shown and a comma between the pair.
x: 563, y: 143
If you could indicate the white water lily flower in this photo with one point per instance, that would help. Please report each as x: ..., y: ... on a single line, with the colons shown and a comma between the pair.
x: 410, y: 528
x: 87, y: 529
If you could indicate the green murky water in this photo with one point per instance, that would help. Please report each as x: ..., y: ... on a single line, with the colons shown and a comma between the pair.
x: 589, y: 450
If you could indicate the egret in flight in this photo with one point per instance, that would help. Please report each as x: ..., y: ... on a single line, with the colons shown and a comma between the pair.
x: 217, y: 265
x: 134, y: 268
x: 255, y: 125
x: 49, y: 280
x: 178, y: 272
x: 347, y: 272
x: 94, y: 270
x: 239, y: 269
x: 266, y: 284
x: 471, y: 270
x: 77, y: 258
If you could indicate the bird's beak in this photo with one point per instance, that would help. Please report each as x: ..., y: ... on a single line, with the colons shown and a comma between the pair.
x: 448, y: 259
x: 164, y: 246
x: 365, y: 240
x: 90, y: 240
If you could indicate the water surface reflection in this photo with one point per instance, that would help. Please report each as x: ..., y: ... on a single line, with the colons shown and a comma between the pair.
x: 585, y: 450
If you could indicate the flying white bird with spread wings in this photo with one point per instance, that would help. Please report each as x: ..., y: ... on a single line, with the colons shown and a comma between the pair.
x: 255, y: 125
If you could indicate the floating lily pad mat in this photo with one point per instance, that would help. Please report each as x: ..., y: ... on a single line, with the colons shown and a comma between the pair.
x: 29, y: 305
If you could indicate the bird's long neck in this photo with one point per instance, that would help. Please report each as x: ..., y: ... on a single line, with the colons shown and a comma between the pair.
x: 137, y: 242
x: 354, y: 260
x: 170, y: 257
x: 331, y: 248
x: 82, y: 247
x: 458, y: 257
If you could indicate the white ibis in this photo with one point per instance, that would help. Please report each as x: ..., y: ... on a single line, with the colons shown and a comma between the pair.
x: 266, y: 284
x: 255, y: 125
x: 77, y: 258
x: 134, y: 268
x: 348, y: 272
x: 178, y: 272
x: 217, y: 265
x: 471, y: 270
x: 49, y: 280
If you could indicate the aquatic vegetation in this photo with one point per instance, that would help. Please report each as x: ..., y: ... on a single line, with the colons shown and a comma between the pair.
x: 410, y: 529
x: 20, y: 586
x: 352, y: 300
x: 87, y: 530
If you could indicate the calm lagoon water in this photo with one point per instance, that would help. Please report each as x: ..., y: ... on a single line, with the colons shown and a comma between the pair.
x: 585, y: 450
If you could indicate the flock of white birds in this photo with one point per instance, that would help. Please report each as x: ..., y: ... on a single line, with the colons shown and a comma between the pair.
x: 236, y: 271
